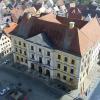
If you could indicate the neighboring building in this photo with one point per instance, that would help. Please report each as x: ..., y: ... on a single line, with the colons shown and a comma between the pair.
x: 61, y: 48
x: 90, y: 57
x: 5, y: 45
x: 5, y: 40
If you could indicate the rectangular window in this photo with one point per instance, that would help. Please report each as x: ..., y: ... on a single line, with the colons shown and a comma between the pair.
x: 48, y: 53
x: 10, y: 49
x: 16, y: 50
x: 58, y: 66
x: 73, y: 62
x: 17, y: 57
x: 20, y: 51
x: 48, y: 62
x: 40, y: 60
x: 59, y: 56
x: 21, y: 59
x: 24, y: 52
x: 72, y: 71
x: 32, y: 56
x: 58, y: 75
x: 32, y: 48
x: 7, y: 51
x: 64, y: 77
x: 19, y: 43
x: 26, y: 61
x: 24, y: 44
x: 65, y: 59
x: 39, y: 50
x: 65, y: 68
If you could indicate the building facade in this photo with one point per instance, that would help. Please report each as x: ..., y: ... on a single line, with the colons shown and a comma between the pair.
x: 40, y: 56
x: 59, y: 48
x: 5, y: 45
x: 88, y: 69
x: 19, y: 50
x: 67, y: 68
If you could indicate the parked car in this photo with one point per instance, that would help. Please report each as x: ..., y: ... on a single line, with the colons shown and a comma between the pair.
x: 4, y: 91
x: 6, y: 62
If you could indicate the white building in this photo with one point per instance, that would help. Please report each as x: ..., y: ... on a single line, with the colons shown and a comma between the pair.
x: 41, y: 55
x: 5, y: 45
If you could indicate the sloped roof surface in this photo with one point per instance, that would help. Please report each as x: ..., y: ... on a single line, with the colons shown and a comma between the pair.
x: 76, y: 40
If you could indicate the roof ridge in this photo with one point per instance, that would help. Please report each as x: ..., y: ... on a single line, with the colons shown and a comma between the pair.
x: 85, y: 35
x: 89, y: 22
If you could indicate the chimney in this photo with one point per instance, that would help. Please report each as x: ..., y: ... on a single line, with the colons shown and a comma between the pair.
x: 29, y: 15
x: 71, y: 25
x: 73, y: 5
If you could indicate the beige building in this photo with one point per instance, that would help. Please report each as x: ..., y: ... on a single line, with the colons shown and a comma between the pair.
x: 67, y: 68
x: 61, y: 48
x: 19, y: 50
x: 5, y: 39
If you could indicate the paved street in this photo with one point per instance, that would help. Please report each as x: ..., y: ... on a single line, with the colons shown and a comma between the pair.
x: 39, y: 89
x: 96, y: 94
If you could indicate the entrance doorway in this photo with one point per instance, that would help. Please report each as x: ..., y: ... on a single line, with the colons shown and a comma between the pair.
x: 47, y: 73
x: 40, y: 70
x: 32, y: 66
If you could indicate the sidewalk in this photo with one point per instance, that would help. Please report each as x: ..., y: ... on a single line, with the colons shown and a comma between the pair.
x: 38, y: 76
x: 54, y: 85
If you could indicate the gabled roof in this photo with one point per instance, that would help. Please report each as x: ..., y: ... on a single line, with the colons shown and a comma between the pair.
x: 50, y: 18
x: 25, y: 27
x: 65, y: 21
x: 92, y: 30
x: 80, y: 43
x: 76, y: 40
x: 74, y: 13
x: 10, y: 28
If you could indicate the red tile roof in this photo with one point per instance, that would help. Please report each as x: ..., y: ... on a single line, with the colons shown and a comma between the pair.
x: 10, y: 28
x: 50, y: 18
x: 92, y: 30
x: 74, y: 13
x: 76, y: 40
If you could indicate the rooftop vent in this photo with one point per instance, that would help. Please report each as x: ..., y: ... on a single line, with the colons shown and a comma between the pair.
x: 71, y: 25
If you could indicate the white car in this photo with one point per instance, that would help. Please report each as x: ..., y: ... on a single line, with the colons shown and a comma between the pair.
x: 4, y: 91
